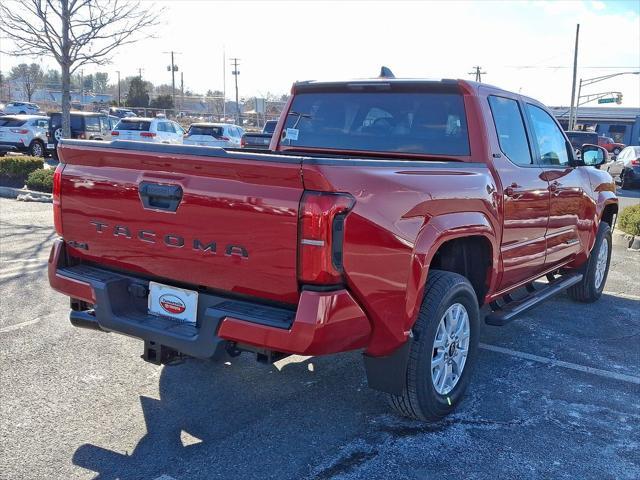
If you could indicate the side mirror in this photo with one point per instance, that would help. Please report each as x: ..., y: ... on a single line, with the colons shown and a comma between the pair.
x: 593, y: 155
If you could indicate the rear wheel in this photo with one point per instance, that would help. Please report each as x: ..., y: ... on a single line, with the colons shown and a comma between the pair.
x: 616, y: 151
x: 443, y: 351
x: 36, y: 149
x: 595, y: 269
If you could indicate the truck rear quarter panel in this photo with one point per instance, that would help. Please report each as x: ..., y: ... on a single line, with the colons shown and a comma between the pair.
x: 404, y: 211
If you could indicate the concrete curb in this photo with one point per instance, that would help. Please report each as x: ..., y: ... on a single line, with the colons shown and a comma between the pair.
x: 24, y: 194
x: 630, y: 242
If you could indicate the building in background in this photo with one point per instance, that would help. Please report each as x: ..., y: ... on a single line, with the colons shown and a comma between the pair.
x: 621, y: 124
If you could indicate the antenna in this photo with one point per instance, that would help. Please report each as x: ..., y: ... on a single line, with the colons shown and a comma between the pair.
x: 385, y: 72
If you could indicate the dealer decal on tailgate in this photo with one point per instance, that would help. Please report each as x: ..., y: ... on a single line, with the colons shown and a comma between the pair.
x: 173, y: 302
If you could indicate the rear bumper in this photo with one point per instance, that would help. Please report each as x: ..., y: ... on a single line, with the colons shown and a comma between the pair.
x: 323, y: 323
x: 12, y: 146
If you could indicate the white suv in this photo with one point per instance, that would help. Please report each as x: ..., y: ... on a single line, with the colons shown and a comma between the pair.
x: 223, y: 135
x: 158, y: 130
x: 21, y: 108
x: 24, y: 133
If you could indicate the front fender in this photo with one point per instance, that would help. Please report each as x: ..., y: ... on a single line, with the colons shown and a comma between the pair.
x: 432, y: 236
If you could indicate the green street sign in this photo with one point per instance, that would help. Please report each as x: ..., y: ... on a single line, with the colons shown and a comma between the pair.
x: 606, y: 100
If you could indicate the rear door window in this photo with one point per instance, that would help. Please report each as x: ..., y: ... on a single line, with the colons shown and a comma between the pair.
x: 399, y: 122
x: 512, y: 134
x: 131, y: 124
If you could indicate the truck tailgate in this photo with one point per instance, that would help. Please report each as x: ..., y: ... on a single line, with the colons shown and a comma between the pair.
x: 192, y: 215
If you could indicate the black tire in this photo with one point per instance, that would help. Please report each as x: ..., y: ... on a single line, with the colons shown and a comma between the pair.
x: 420, y: 399
x: 587, y: 291
x: 616, y: 151
x: 623, y: 185
x: 37, y: 149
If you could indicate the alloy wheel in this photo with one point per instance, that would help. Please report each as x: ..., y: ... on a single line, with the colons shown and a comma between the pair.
x: 450, y: 348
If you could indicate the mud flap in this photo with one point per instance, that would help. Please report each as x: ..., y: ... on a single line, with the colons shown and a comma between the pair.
x: 388, y: 373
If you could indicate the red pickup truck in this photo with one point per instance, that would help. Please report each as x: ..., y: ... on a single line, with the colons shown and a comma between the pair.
x: 386, y: 214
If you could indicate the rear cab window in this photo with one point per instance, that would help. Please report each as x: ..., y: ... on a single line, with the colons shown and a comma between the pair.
x: 132, y: 124
x: 394, y: 121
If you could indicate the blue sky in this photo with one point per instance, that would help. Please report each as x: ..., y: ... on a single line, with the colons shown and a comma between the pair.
x: 523, y: 45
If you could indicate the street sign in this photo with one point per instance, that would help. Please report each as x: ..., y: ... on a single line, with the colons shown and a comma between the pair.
x: 606, y: 100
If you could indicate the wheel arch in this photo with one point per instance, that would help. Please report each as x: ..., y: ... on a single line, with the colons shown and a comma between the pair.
x: 442, y: 236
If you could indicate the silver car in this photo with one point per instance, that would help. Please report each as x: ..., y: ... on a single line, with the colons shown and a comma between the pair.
x: 21, y: 108
x: 223, y: 135
x: 23, y: 133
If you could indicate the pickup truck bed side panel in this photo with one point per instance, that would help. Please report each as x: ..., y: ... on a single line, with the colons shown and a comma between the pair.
x: 396, y: 202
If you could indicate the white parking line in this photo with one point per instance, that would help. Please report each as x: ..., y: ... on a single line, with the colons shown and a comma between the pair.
x: 623, y: 295
x: 18, y: 326
x: 25, y: 260
x: 559, y: 363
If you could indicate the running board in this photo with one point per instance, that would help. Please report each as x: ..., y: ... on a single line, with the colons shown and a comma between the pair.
x: 504, y: 314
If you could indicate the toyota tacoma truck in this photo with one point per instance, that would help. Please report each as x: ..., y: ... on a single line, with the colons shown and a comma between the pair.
x: 386, y: 214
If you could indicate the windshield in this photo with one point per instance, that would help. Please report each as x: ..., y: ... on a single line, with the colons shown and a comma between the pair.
x: 418, y: 123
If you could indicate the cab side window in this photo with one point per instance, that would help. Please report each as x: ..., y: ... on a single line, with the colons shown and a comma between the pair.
x: 551, y: 143
x: 510, y: 129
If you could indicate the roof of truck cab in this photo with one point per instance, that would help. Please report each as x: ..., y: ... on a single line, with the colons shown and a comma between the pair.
x: 392, y: 82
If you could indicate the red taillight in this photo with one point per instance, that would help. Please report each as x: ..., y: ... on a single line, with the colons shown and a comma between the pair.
x: 115, y: 133
x: 635, y: 162
x: 57, y: 206
x: 20, y: 131
x: 147, y: 134
x: 243, y: 142
x: 81, y: 136
x: 320, y: 237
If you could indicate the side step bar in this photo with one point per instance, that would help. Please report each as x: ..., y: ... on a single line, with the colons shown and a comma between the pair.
x: 504, y: 314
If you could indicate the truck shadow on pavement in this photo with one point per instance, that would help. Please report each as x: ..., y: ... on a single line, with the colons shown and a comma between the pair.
x: 316, y: 418
x: 226, y: 416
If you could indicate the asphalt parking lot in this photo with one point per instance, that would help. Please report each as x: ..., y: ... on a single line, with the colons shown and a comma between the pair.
x: 556, y: 394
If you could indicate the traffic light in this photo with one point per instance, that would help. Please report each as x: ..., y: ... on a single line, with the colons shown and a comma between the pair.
x: 619, y: 98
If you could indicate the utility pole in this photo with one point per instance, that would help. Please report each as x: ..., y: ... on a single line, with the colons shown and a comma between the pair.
x: 173, y: 68
x: 181, y: 90
x: 573, y: 114
x: 140, y: 73
x: 477, y: 72
x: 118, y: 72
x: 224, y: 84
x: 235, y: 73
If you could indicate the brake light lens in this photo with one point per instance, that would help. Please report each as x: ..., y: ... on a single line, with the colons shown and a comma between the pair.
x: 320, y: 238
x: 81, y: 136
x: 20, y: 131
x: 635, y: 162
x: 147, y: 134
x: 115, y: 133
x: 57, y: 205
x: 243, y: 142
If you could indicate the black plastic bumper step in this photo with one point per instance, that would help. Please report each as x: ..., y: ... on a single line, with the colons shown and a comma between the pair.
x: 509, y: 311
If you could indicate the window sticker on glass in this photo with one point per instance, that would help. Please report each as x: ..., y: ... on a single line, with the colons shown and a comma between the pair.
x: 292, y: 134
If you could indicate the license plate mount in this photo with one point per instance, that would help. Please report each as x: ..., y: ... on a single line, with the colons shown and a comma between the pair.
x: 177, y: 303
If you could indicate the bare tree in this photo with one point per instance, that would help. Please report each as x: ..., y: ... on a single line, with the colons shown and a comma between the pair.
x: 29, y: 77
x: 75, y: 32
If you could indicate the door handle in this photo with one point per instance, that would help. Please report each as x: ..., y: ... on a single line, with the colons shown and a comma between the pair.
x: 554, y: 187
x: 510, y: 191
